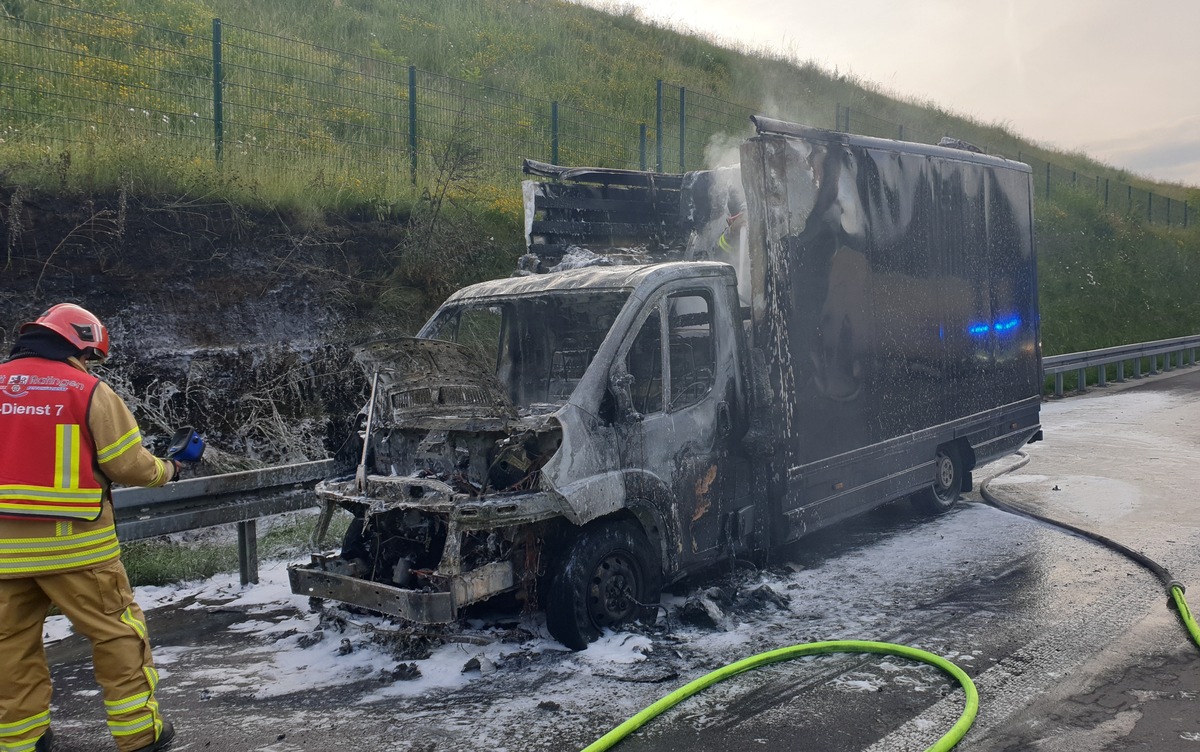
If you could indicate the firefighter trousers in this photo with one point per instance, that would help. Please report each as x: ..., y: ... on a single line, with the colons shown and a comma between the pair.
x: 99, y: 603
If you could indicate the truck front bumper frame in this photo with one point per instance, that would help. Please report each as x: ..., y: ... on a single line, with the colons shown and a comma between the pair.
x: 320, y: 579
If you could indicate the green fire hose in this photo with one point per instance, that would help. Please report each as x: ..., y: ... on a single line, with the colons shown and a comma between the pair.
x: 1174, y: 588
x: 947, y: 742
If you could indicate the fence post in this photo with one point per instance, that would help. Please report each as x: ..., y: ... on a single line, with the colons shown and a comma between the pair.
x: 218, y: 101
x: 899, y: 132
x: 1149, y: 207
x: 682, y: 127
x: 658, y: 128
x: 1168, y: 211
x: 837, y: 116
x: 847, y: 118
x: 1185, y: 214
x: 642, y: 146
x: 1047, y: 180
x: 412, y: 122
x: 554, y: 133
x: 1106, y: 193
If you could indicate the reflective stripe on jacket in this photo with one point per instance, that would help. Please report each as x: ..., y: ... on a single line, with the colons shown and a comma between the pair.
x: 47, y: 456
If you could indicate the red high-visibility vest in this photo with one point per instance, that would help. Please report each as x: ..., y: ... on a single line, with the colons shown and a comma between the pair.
x: 47, y: 456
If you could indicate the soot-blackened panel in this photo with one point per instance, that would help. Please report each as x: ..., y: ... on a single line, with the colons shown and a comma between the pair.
x: 898, y: 288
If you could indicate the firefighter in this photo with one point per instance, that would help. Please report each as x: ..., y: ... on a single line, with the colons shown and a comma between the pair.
x: 65, y: 437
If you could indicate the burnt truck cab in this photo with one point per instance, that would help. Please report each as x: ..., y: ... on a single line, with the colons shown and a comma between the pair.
x: 691, y: 368
x: 525, y: 410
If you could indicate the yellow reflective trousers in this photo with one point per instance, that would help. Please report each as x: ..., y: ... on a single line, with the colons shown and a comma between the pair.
x: 99, y: 603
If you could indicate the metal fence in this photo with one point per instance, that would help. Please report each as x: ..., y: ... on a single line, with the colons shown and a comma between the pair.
x: 258, y: 103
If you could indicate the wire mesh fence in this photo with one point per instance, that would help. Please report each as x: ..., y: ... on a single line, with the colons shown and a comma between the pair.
x: 223, y: 96
x: 83, y: 80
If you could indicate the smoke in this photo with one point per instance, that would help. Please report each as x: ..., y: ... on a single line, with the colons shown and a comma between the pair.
x: 785, y: 94
x: 723, y: 150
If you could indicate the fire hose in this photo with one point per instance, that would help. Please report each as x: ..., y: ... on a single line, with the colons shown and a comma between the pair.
x: 950, y: 739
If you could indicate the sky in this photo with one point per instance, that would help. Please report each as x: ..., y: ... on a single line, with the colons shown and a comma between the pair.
x: 1111, y: 78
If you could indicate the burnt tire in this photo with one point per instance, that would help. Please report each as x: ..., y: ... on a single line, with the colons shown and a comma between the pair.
x: 947, y: 482
x: 608, y: 577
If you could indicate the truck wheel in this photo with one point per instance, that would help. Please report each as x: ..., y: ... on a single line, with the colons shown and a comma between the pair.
x: 947, y: 482
x: 607, y: 578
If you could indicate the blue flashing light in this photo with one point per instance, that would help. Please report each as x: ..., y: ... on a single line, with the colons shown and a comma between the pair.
x: 1000, y: 326
x: 1007, y: 324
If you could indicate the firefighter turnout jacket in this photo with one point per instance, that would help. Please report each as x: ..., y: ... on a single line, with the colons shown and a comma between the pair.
x: 65, y: 436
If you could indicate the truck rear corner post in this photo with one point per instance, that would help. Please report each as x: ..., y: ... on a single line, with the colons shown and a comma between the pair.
x: 693, y: 367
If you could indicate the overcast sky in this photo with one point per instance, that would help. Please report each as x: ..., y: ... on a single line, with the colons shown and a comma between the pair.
x: 1116, y: 79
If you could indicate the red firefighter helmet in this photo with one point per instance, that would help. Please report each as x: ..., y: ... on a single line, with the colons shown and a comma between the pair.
x: 77, y: 325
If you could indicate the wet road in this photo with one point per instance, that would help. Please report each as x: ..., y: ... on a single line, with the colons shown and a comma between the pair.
x: 1071, y: 646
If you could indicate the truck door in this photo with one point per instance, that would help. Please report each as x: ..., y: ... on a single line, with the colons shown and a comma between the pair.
x: 678, y: 376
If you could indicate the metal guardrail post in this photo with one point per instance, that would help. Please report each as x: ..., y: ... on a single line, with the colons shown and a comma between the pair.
x: 248, y: 551
x: 1137, y: 368
x: 1058, y: 385
x: 1102, y: 375
x: 1153, y: 365
x: 1120, y: 371
x: 1081, y: 380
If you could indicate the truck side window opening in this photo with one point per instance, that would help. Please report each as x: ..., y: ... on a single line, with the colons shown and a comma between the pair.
x: 644, y: 364
x: 689, y: 327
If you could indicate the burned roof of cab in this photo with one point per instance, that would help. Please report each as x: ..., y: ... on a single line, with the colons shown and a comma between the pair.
x: 591, y: 278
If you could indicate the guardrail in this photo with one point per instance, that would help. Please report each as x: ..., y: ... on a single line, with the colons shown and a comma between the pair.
x: 1182, y: 348
x: 221, y: 499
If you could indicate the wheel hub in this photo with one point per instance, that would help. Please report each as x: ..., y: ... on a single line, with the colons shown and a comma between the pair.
x: 613, y: 597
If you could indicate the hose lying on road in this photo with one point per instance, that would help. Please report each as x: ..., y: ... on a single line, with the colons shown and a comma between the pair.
x: 947, y: 742
x: 1174, y: 588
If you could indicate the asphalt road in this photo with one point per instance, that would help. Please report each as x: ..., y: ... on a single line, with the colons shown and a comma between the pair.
x: 1071, y: 646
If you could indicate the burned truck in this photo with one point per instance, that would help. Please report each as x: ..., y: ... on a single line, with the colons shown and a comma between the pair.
x: 692, y: 368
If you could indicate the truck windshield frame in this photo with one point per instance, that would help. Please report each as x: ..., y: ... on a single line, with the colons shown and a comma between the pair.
x: 539, y: 345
